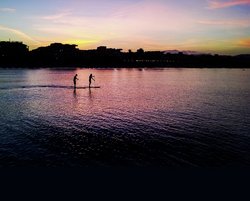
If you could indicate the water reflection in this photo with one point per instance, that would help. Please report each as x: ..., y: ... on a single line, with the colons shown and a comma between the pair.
x: 74, y: 93
x: 163, y: 116
x: 90, y: 94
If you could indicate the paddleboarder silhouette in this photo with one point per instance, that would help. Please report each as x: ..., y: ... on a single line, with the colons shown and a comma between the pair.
x: 91, y: 77
x: 74, y: 80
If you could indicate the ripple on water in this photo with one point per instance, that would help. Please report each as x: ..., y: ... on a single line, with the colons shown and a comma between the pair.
x: 190, y: 119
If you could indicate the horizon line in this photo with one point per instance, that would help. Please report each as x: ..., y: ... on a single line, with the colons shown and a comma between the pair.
x: 174, y: 51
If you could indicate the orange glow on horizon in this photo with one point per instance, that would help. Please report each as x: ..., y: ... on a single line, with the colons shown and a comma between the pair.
x: 245, y: 42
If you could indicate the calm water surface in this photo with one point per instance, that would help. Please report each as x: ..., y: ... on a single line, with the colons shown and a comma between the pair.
x: 139, y: 117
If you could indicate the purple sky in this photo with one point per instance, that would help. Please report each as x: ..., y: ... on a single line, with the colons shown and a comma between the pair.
x: 215, y: 26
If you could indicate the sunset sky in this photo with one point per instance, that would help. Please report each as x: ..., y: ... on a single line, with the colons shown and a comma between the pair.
x: 214, y: 26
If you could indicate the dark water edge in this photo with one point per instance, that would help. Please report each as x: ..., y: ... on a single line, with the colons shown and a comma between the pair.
x: 72, y: 67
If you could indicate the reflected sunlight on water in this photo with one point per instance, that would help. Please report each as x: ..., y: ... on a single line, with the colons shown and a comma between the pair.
x: 139, y: 117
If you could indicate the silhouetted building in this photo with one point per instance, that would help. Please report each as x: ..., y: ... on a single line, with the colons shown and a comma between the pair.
x: 102, y: 56
x: 17, y: 54
x: 56, y: 54
x: 13, y: 53
x: 108, y: 51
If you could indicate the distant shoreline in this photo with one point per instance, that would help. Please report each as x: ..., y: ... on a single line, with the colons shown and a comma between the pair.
x: 124, y: 67
x: 17, y: 55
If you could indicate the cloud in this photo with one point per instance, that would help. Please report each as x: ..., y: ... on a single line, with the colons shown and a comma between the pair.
x: 9, y: 10
x: 143, y: 17
x: 65, y: 23
x: 217, y: 4
x: 56, y: 16
x: 147, y: 24
x: 19, y: 34
x: 234, y: 23
x: 244, y: 42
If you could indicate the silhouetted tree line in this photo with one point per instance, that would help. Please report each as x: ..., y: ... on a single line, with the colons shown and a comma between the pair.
x: 17, y: 54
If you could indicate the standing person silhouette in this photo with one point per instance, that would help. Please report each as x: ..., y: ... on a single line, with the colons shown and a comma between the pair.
x: 74, y: 80
x: 91, y: 77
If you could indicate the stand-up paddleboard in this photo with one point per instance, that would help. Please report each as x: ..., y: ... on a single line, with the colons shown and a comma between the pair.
x: 51, y: 86
x: 95, y: 87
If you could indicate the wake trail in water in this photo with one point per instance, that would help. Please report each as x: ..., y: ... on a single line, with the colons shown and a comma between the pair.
x: 46, y: 86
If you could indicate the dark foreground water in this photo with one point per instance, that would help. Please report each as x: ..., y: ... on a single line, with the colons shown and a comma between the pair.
x: 139, y: 117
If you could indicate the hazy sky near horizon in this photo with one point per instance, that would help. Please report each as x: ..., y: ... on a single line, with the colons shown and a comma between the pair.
x: 215, y: 26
